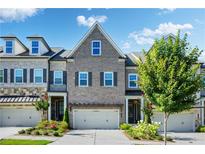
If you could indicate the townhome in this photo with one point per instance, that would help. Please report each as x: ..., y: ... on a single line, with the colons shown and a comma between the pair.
x: 96, y: 81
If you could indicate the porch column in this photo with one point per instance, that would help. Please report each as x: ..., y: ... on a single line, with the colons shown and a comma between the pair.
x: 126, y: 110
x: 202, y: 112
x: 49, y: 108
x: 142, y: 107
x: 65, y: 102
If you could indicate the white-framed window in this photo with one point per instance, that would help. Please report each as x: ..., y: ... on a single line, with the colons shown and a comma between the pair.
x: 34, y: 47
x: 108, y: 79
x: 1, y: 76
x: 132, y: 80
x: 18, y: 75
x: 9, y: 46
x: 83, y: 79
x: 38, y: 76
x: 58, y: 77
x: 96, y: 47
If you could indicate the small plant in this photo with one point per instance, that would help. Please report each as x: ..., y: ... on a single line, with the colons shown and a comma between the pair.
x: 56, y: 133
x: 35, y: 132
x: 22, y: 131
x: 63, y: 125
x: 125, y: 126
x: 66, y: 116
x: 45, y: 132
x: 201, y: 129
x: 43, y: 124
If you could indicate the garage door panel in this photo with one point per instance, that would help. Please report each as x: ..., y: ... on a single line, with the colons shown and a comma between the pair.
x: 96, y: 119
x: 19, y: 117
x: 183, y: 122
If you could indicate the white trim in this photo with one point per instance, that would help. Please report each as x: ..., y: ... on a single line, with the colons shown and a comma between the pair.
x: 99, y: 109
x: 13, y: 44
x: 112, y: 79
x: 30, y: 52
x: 54, y: 74
x: 3, y: 76
x: 129, y: 80
x: 103, y: 32
x: 38, y: 69
x: 15, y: 76
x: 100, y: 48
x: 79, y: 79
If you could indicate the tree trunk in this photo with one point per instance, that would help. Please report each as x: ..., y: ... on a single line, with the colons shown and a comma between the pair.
x: 165, y: 128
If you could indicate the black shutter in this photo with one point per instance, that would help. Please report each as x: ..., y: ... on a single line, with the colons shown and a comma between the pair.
x: 101, y: 78
x: 44, y: 75
x: 90, y: 78
x: 31, y: 76
x: 64, y: 77
x: 115, y: 78
x: 12, y: 75
x: 76, y: 78
x: 5, y: 75
x: 24, y: 75
x: 51, y: 77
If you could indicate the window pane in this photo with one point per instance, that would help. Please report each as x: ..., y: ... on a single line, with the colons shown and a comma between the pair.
x: 58, y: 81
x: 96, y: 51
x: 38, y: 76
x: 38, y: 79
x: 133, y: 84
x: 8, y: 50
x: 34, y: 50
x: 133, y: 77
x: 19, y: 79
x: 108, y: 82
x: 38, y: 73
x: 108, y: 76
x: 1, y: 79
x: 1, y: 73
x: 58, y: 74
x: 83, y: 76
x: 19, y: 73
x: 83, y: 82
x: 9, y: 44
x: 34, y: 43
x: 96, y: 44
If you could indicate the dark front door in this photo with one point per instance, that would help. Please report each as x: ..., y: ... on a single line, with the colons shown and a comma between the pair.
x: 133, y: 112
x: 57, y: 110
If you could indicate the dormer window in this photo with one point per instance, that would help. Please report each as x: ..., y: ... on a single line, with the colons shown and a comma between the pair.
x: 9, y: 47
x: 35, y: 47
x: 96, y: 48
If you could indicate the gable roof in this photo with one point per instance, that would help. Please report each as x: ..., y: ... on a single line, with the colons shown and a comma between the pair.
x: 96, y: 25
x: 11, y: 36
x: 40, y: 37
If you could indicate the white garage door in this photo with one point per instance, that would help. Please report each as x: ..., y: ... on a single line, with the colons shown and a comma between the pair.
x: 26, y: 117
x: 181, y: 122
x: 96, y: 118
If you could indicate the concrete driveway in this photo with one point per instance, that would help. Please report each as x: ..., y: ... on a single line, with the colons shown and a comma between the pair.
x: 9, y: 131
x: 93, y: 137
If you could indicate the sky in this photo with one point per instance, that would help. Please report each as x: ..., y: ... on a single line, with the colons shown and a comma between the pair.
x: 131, y: 29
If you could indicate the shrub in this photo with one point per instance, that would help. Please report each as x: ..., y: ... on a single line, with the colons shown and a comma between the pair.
x: 22, y: 131
x: 43, y: 124
x: 66, y: 116
x: 144, y: 131
x: 200, y: 129
x: 35, y: 132
x: 125, y: 126
x: 45, y: 132
x: 53, y: 125
x: 63, y: 125
x: 56, y: 133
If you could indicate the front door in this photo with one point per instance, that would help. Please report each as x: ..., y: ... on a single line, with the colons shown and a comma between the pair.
x: 133, y: 112
x: 57, y: 110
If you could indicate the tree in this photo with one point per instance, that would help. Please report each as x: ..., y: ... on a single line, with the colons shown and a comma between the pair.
x: 42, y: 106
x: 66, y: 116
x: 168, y: 76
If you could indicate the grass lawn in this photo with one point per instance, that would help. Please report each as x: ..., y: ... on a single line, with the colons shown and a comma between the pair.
x: 23, y: 142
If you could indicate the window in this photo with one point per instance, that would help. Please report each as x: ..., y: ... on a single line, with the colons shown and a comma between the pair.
x: 96, y: 48
x: 83, y: 79
x: 9, y: 47
x: 132, y: 81
x: 1, y: 76
x: 108, y: 79
x: 35, y: 46
x: 58, y: 77
x: 18, y: 76
x: 38, y: 76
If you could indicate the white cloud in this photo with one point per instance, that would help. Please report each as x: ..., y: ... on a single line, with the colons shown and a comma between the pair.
x: 90, y: 20
x: 166, y: 10
x: 147, y: 36
x: 9, y: 15
x: 126, y: 45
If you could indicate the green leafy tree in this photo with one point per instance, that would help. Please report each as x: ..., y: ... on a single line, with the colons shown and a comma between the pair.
x: 42, y: 106
x: 147, y: 112
x: 66, y: 116
x: 168, y: 76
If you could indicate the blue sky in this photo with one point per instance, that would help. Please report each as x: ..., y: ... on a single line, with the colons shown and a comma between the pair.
x: 131, y: 29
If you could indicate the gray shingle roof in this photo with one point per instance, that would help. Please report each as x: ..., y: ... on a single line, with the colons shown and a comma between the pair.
x: 131, y: 58
x: 19, y: 99
x: 62, y: 55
